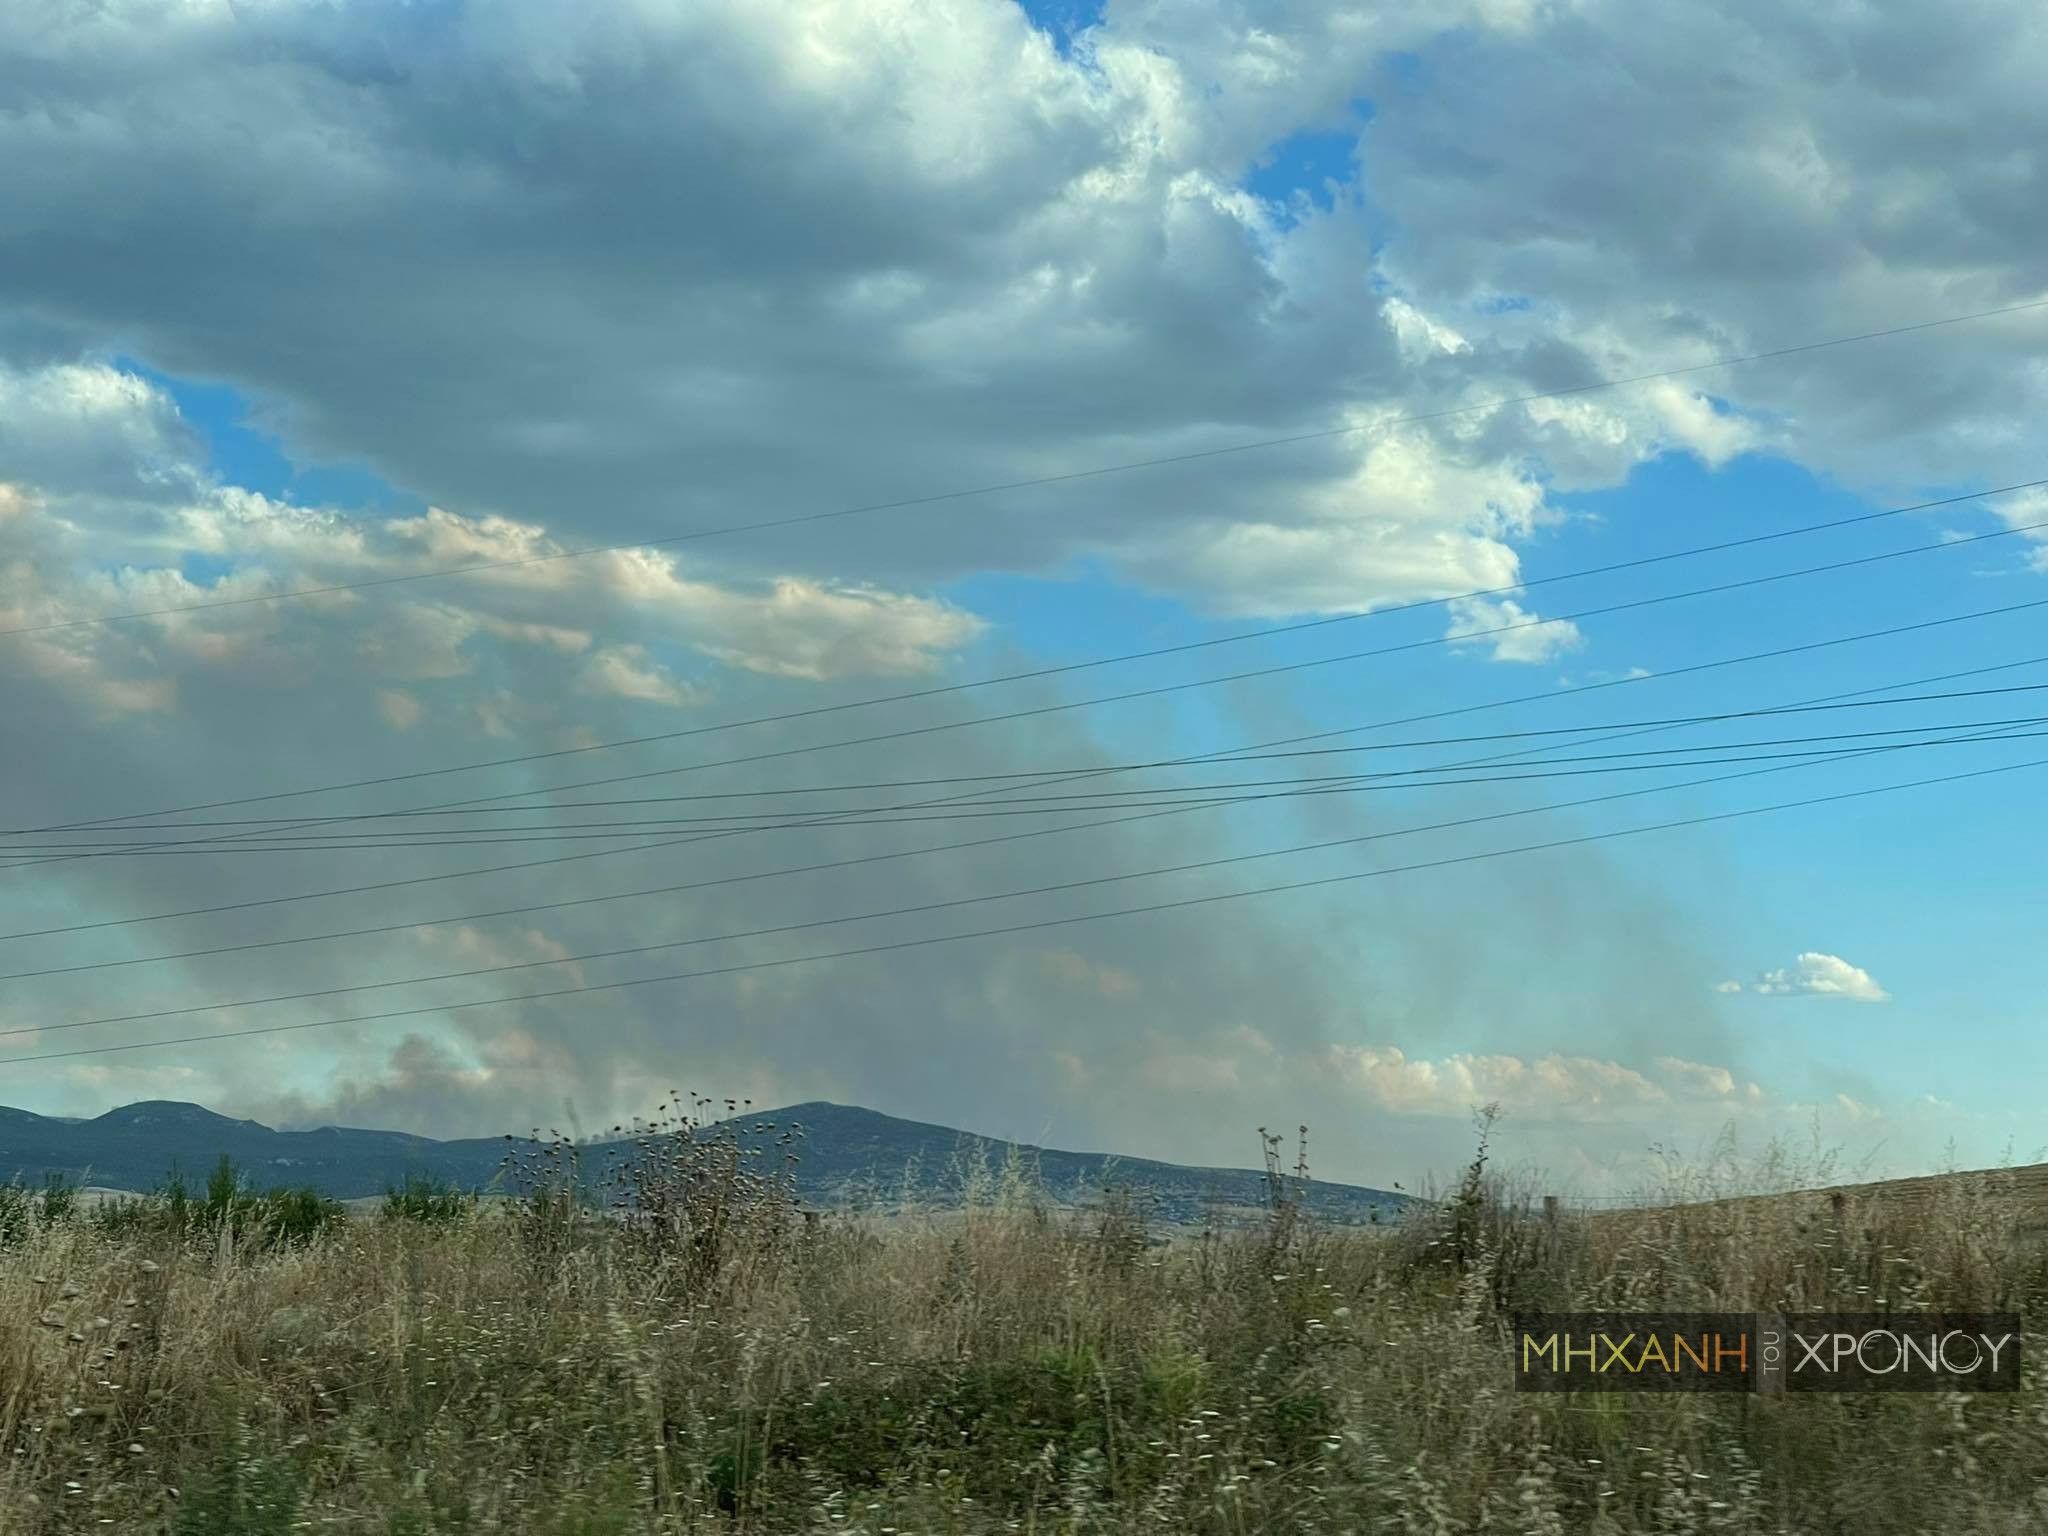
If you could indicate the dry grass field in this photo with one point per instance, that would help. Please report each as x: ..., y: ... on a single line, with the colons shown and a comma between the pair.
x: 1899, y: 1201
x: 715, y: 1363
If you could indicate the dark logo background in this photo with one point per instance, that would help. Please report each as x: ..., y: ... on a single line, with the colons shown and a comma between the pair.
x: 1767, y: 1352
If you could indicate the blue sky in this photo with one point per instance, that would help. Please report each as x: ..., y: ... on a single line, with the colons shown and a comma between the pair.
x: 1946, y: 948
x: 541, y: 290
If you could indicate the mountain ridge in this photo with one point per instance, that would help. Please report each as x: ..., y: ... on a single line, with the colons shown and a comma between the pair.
x: 847, y: 1151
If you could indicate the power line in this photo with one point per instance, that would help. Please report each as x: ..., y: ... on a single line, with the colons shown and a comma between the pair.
x: 1773, y: 654
x: 1151, y: 692
x: 724, y: 880
x: 1044, y: 672
x: 1235, y: 756
x: 1257, y: 673
x: 1033, y: 482
x: 1291, y: 787
x: 964, y: 901
x: 21, y: 863
x: 1317, y: 789
x: 1030, y: 927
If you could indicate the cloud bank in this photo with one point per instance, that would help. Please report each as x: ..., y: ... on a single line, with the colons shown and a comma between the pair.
x: 574, y: 276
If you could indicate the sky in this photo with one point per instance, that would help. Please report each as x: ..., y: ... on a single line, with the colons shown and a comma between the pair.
x: 328, y: 295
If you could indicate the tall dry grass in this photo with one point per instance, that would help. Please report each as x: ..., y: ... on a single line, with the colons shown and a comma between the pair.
x: 704, y: 1359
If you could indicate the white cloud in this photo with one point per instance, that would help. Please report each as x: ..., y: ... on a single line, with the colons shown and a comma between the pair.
x: 806, y: 630
x: 1815, y: 974
x: 85, y: 542
x: 91, y: 428
x: 1514, y: 633
x: 1421, y: 335
x: 627, y: 672
x: 1821, y: 199
x: 2023, y: 510
x: 921, y: 226
x: 737, y: 261
x: 1550, y: 1086
x: 1696, y: 1077
x: 1555, y: 1086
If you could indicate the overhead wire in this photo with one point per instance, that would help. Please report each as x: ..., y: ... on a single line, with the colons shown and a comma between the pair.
x: 953, y: 902
x: 1635, y: 730
x: 1292, y: 787
x: 1038, y: 925
x: 1236, y: 756
x: 1170, y: 688
x: 1327, y: 784
x: 1033, y: 674
x: 662, y: 844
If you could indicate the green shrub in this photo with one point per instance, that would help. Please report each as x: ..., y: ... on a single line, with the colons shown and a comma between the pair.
x: 427, y: 1201
x: 1008, y: 1370
x: 293, y: 1215
x: 241, y: 1495
x: 21, y: 1211
x: 60, y: 1198
x: 272, y: 1218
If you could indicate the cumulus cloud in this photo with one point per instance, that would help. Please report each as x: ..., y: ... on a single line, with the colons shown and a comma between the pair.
x: 1816, y: 200
x: 1556, y: 1086
x: 1549, y: 1086
x: 607, y: 278
x: 627, y: 672
x: 1514, y: 633
x: 804, y: 630
x: 1700, y: 1078
x: 2026, y: 510
x: 942, y: 232
x: 85, y: 429
x: 1815, y: 974
x: 80, y: 549
x: 1029, y: 260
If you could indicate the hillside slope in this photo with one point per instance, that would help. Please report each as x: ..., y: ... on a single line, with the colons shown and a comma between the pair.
x: 846, y: 1152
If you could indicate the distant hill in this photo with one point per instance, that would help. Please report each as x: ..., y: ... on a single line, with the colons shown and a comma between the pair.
x: 844, y: 1153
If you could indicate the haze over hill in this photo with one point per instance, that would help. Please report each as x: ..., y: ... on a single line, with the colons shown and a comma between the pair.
x: 845, y: 1152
